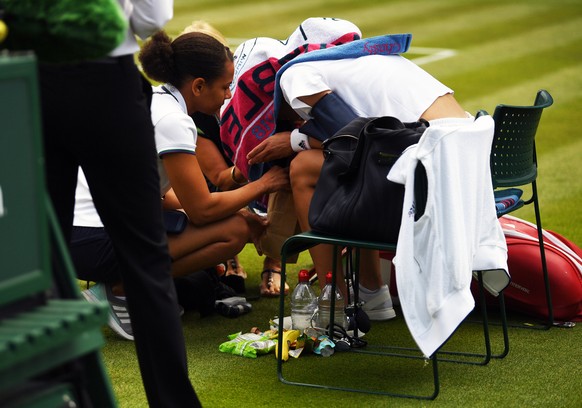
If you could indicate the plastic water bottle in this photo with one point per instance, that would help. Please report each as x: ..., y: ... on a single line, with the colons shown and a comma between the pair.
x: 324, y: 306
x: 303, y: 303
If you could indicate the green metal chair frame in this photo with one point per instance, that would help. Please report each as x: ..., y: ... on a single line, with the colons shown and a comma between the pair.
x: 514, y: 164
x: 306, y: 240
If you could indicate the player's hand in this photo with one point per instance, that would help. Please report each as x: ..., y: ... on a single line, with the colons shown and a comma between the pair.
x: 277, y: 146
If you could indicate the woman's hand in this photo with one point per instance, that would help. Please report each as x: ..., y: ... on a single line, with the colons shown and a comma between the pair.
x: 275, y: 179
x: 277, y: 146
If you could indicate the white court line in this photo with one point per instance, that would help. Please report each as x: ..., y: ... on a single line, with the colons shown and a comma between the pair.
x: 433, y: 54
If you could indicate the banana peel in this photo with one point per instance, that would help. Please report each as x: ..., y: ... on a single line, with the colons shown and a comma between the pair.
x: 289, y: 337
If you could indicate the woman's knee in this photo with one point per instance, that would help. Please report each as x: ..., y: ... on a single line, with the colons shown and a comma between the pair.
x: 237, y: 231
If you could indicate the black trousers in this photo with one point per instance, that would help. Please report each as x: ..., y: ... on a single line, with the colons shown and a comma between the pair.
x: 95, y: 115
x: 93, y: 255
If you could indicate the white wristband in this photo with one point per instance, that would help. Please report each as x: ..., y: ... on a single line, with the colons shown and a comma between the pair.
x: 299, y: 141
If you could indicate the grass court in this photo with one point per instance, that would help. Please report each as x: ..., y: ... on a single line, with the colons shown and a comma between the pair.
x: 489, y: 52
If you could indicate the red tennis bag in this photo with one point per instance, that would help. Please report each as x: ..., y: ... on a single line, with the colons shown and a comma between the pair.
x: 526, y: 293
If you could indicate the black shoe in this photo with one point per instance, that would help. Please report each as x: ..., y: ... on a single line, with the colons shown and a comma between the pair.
x: 233, y: 306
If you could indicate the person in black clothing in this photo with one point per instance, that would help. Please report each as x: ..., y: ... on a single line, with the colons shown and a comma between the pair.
x: 96, y: 115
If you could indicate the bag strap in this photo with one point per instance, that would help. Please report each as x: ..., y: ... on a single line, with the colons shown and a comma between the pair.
x: 353, y: 131
x: 361, y: 128
x: 336, y: 137
x: 380, y: 125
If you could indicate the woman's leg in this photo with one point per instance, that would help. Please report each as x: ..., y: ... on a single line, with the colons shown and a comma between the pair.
x: 93, y: 255
x: 203, y: 247
x: 304, y: 172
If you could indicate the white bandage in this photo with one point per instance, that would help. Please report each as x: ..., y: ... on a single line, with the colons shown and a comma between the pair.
x: 299, y: 141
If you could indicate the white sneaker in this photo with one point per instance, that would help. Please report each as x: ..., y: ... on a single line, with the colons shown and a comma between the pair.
x: 377, y: 303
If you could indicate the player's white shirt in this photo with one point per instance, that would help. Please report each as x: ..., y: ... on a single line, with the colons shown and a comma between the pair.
x: 375, y: 85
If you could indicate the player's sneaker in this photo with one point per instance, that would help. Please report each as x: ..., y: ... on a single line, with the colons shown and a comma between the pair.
x: 377, y: 303
x: 119, y: 319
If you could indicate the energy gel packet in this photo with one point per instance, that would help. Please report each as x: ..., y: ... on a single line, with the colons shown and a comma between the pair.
x: 248, y: 345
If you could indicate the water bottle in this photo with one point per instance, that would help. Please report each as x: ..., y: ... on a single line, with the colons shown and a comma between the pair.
x: 303, y: 303
x: 324, y: 306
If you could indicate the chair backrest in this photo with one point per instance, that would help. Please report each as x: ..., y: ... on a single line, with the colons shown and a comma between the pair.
x: 513, y: 154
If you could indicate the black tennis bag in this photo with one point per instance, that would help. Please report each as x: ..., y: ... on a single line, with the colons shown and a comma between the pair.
x: 353, y: 198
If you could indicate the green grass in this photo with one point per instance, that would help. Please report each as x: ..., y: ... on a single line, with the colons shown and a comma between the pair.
x: 505, y: 52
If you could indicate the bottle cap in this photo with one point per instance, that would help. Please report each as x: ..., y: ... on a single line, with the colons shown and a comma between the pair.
x: 303, y: 275
x: 328, y: 277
